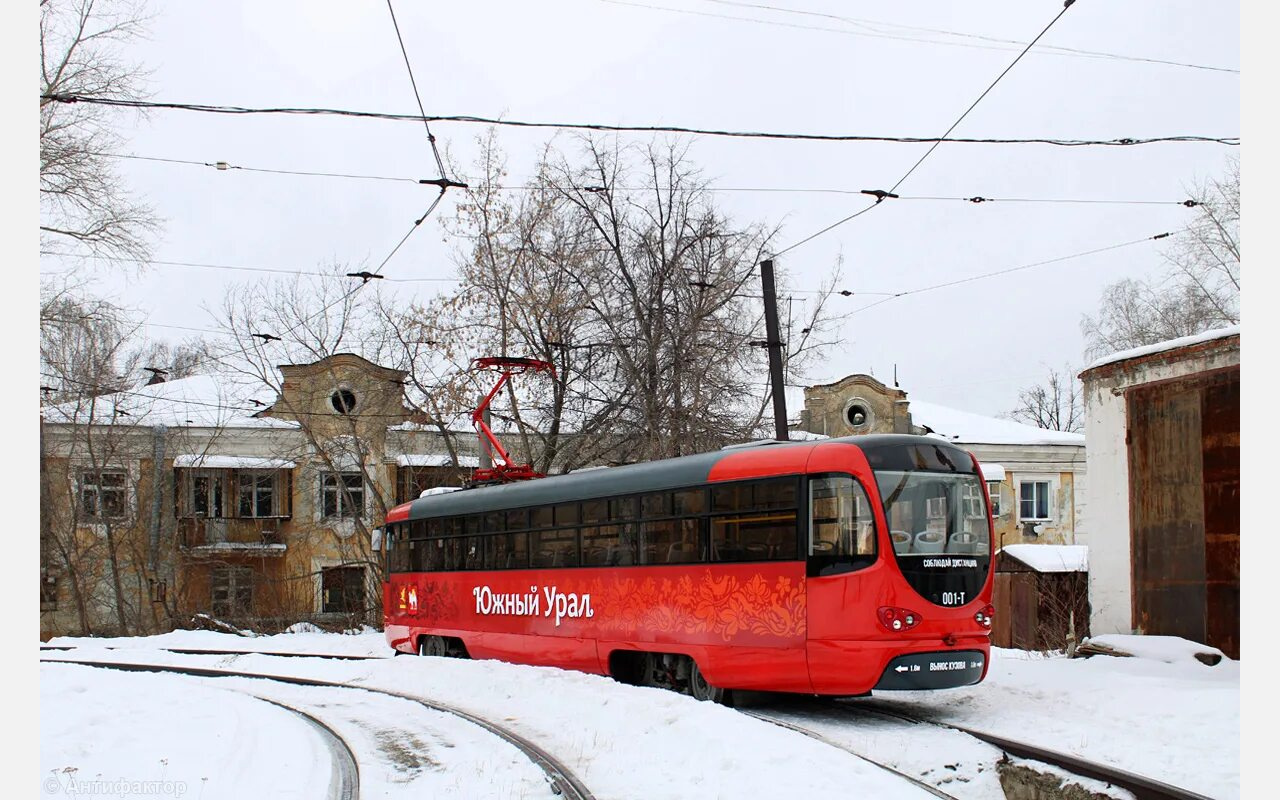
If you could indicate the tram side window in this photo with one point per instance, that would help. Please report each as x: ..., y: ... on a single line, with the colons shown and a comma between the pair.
x: 655, y: 505
x: 567, y: 514
x: 768, y: 494
x: 508, y: 551
x: 609, y: 545
x: 595, y: 544
x: 779, y: 493
x: 401, y: 556
x: 595, y: 511
x: 554, y: 548
x: 541, y: 517
x: 670, y: 541
x: 452, y: 554
x: 754, y: 536
x: 433, y: 555
x: 842, y: 533
x: 473, y: 552
x: 389, y: 548
x: 689, y: 502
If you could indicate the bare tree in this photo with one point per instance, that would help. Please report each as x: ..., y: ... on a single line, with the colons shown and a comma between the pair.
x: 1054, y: 405
x: 95, y: 537
x: 617, y: 267
x: 82, y: 198
x: 87, y: 342
x: 308, y: 321
x: 1200, y: 289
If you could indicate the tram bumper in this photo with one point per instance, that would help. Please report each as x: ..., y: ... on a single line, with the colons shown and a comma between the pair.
x: 936, y: 670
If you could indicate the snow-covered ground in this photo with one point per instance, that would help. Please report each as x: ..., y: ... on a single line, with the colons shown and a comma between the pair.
x: 303, y: 638
x: 1177, y: 722
x: 1162, y: 714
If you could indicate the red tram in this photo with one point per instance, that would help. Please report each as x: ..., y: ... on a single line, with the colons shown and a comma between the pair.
x: 832, y: 567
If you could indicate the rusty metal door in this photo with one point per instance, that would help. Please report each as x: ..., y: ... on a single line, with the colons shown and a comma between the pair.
x: 1220, y: 435
x: 1166, y: 502
x: 1184, y: 499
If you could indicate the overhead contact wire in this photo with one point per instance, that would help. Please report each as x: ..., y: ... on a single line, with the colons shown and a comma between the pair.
x: 880, y: 196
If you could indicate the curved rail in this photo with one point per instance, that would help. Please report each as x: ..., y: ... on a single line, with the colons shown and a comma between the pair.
x: 1142, y: 787
x: 933, y: 790
x: 345, y: 783
x: 562, y: 780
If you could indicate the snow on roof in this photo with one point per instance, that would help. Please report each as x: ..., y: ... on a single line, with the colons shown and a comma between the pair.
x: 1051, y: 557
x: 438, y: 490
x: 230, y: 547
x: 206, y: 461
x: 805, y: 436
x: 992, y: 472
x: 206, y: 401
x: 434, y: 460
x: 1172, y: 344
x: 964, y: 427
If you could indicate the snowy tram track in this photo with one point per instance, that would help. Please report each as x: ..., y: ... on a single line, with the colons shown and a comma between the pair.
x: 812, y: 734
x: 345, y: 784
x: 1140, y: 786
x: 560, y: 779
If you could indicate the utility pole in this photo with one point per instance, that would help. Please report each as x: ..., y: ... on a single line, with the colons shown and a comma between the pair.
x: 774, y: 343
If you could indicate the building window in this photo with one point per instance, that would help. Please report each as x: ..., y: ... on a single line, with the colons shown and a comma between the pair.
x: 257, y: 493
x: 993, y: 489
x: 858, y: 415
x: 341, y: 494
x: 342, y: 590
x: 104, y: 495
x: 411, y: 482
x: 343, y: 401
x: 232, y: 593
x: 1033, y: 500
x: 206, y: 495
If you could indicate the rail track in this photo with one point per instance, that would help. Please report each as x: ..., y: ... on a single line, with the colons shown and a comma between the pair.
x: 1140, y: 786
x: 345, y: 783
x: 812, y: 734
x: 561, y: 780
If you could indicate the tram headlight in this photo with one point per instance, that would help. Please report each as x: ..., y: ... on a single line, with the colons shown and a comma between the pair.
x: 897, y: 619
x: 983, y: 617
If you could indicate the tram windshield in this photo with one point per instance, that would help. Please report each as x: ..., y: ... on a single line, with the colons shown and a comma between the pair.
x: 934, y: 512
x: 940, y: 530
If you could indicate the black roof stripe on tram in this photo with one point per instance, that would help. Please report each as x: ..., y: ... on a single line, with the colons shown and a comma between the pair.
x: 650, y: 476
x: 656, y: 476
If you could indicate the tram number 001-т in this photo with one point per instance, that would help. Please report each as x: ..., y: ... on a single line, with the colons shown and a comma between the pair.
x: 953, y: 598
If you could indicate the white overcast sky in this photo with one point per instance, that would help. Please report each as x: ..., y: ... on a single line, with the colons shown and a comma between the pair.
x: 970, y: 346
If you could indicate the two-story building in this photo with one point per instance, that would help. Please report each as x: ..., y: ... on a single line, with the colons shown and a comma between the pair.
x: 209, y: 495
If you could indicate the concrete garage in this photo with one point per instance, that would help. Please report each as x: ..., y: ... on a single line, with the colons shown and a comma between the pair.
x: 1163, y: 427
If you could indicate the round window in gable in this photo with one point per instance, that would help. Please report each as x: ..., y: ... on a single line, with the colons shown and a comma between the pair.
x: 343, y: 401
x: 857, y: 415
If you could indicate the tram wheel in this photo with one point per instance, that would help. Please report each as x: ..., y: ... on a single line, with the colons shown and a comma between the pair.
x: 701, y: 689
x: 433, y: 646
